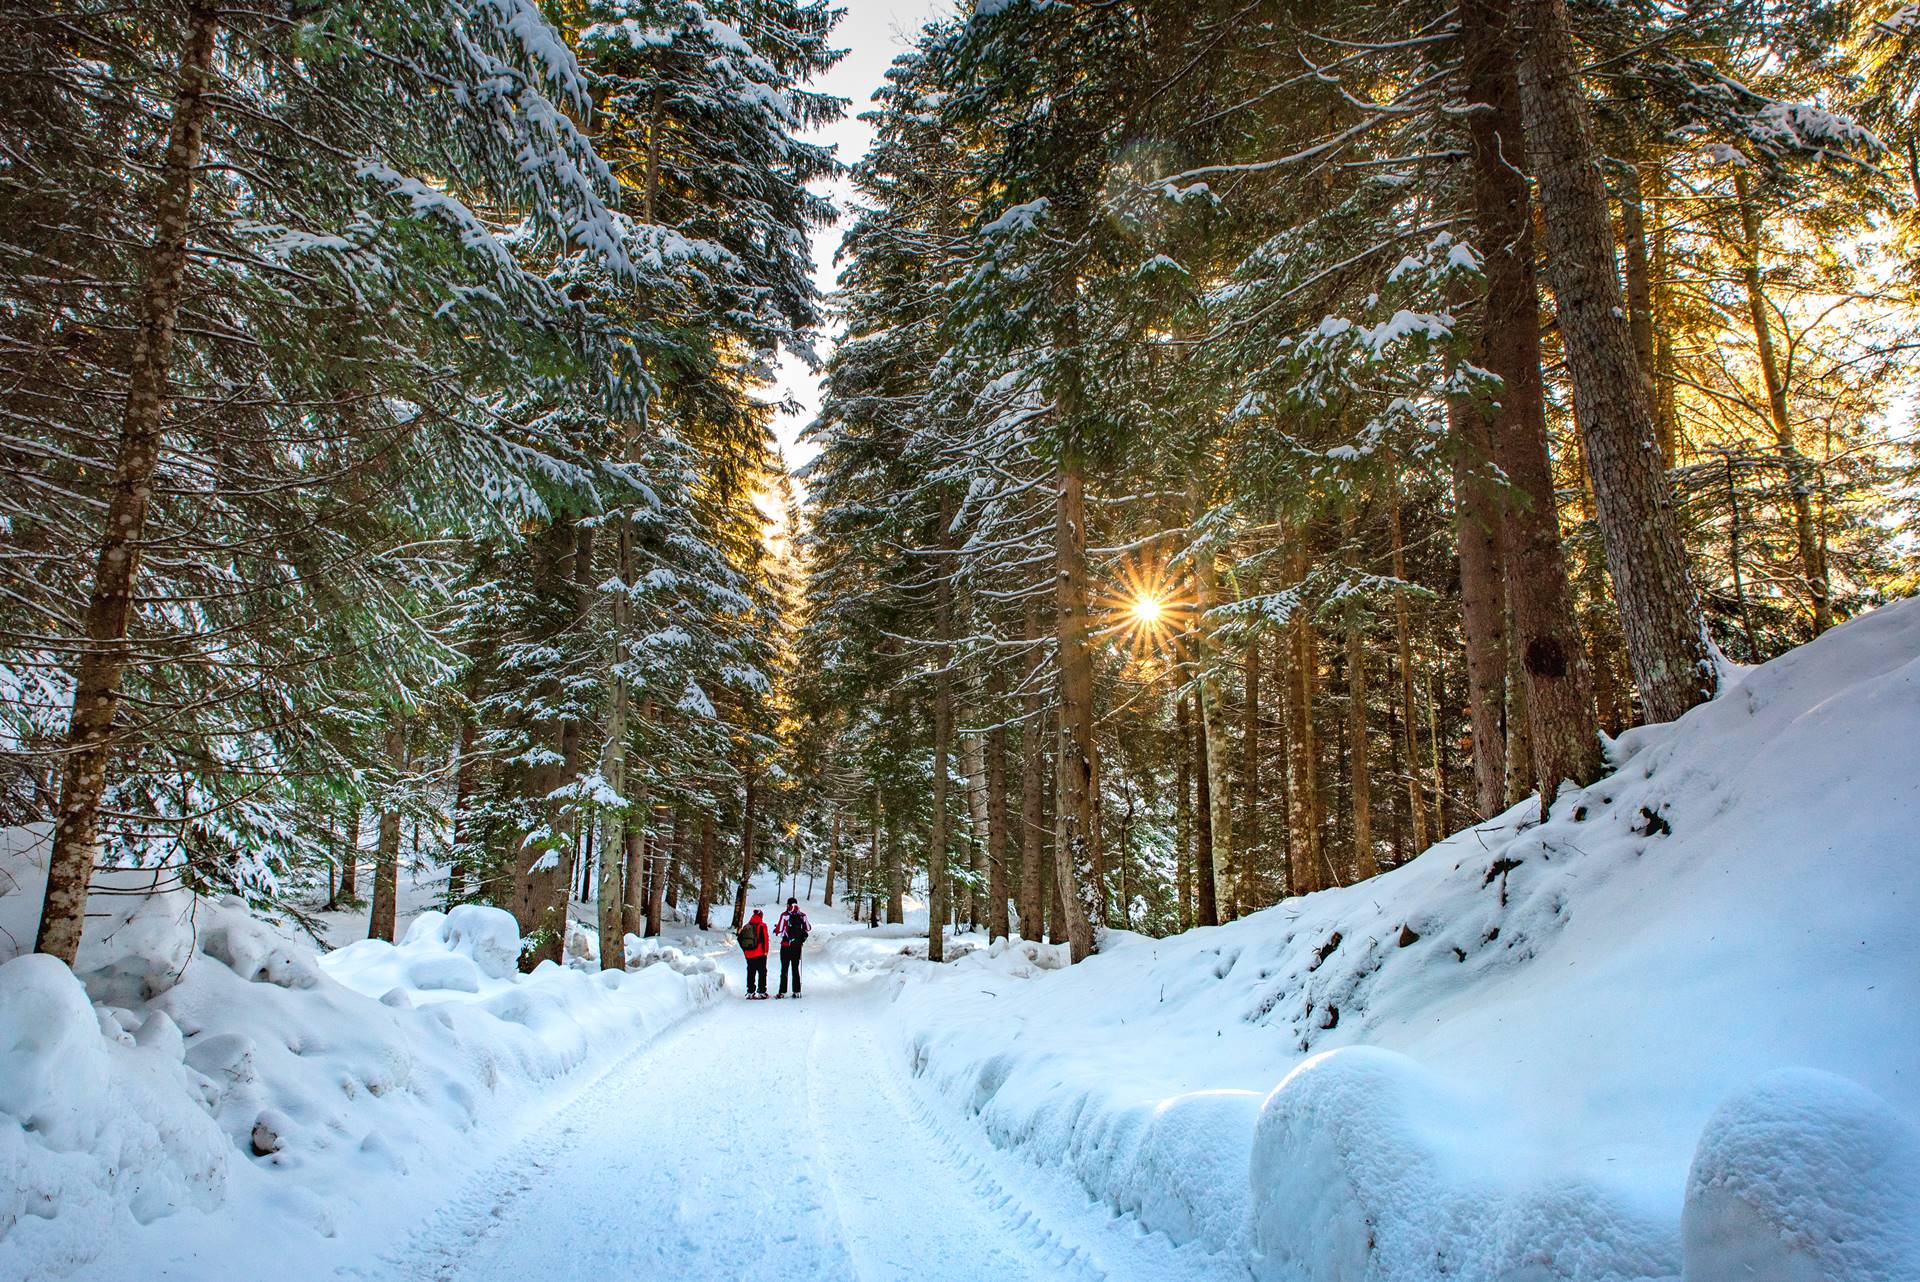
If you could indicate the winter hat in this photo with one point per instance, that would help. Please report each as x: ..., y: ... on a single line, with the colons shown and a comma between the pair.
x: 793, y: 903
x: 756, y: 914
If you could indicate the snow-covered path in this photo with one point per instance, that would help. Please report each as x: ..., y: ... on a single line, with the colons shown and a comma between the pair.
x: 774, y: 1138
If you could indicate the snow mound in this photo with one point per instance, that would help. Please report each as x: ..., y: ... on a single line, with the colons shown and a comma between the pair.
x: 1501, y: 1060
x: 197, y: 1059
x: 1804, y: 1176
x: 94, y: 1118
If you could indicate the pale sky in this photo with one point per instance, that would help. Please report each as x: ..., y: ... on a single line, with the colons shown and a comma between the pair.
x: 873, y: 33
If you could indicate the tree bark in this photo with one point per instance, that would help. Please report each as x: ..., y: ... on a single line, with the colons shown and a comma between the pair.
x: 350, y: 856
x: 1076, y: 837
x: 1545, y: 638
x: 660, y: 848
x: 937, y: 836
x: 1311, y: 806
x: 1033, y: 773
x: 1659, y: 610
x: 1216, y: 873
x: 96, y: 680
x: 1250, y: 843
x: 1183, y: 825
x: 612, y: 900
x: 383, y: 919
x: 998, y: 927
x: 1483, y: 609
x: 833, y: 854
x: 1206, y: 887
x: 703, y: 907
x: 1403, y: 641
x: 746, y: 853
x: 974, y: 754
x: 1813, y: 558
x: 1366, y: 863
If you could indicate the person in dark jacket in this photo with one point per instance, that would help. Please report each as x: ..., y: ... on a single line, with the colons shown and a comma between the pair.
x: 754, y: 943
x: 793, y: 929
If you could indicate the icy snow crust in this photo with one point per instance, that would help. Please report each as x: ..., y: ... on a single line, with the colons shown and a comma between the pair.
x: 1583, y: 1049
x: 208, y: 1077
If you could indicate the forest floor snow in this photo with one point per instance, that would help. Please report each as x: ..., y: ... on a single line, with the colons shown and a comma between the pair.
x: 1670, y: 1031
x: 204, y: 1096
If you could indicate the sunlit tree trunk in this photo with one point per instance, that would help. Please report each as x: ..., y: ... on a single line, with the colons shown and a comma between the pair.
x: 1216, y: 873
x: 747, y: 818
x: 1544, y: 637
x: 1075, y: 824
x: 1183, y: 827
x: 1483, y: 611
x: 1403, y: 641
x: 1250, y: 844
x: 383, y: 920
x: 1033, y: 782
x: 1659, y: 610
x: 96, y: 680
x: 1813, y: 558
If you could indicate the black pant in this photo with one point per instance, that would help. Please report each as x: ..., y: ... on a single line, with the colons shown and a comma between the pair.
x: 789, y: 964
x: 757, y: 974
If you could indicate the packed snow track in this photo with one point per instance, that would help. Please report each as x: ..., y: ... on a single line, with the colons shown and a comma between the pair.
x: 777, y: 1139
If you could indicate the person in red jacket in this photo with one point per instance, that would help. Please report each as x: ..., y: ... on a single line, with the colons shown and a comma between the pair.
x: 753, y: 942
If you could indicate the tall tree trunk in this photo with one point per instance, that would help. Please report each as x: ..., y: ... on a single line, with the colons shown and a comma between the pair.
x: 96, y: 680
x: 937, y: 835
x: 633, y: 878
x: 1659, y: 610
x: 1545, y: 638
x: 1033, y: 776
x: 1281, y: 673
x: 613, y: 892
x: 746, y: 852
x: 974, y: 753
x: 1734, y: 557
x: 1666, y: 422
x: 1359, y: 767
x: 350, y: 856
x: 1250, y: 843
x: 1183, y: 826
x: 896, y: 879
x: 677, y: 858
x: 465, y: 782
x: 659, y: 847
x: 1633, y: 234
x: 1311, y: 805
x: 1076, y: 839
x: 1813, y: 558
x: 833, y: 854
x: 703, y: 906
x: 998, y: 927
x: 1403, y: 641
x: 1206, y: 901
x: 383, y: 920
x: 1520, y: 769
x: 1216, y: 874
x: 1483, y: 609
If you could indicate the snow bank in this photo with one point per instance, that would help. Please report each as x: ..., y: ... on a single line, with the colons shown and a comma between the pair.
x: 196, y: 1060
x: 1503, y: 1060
